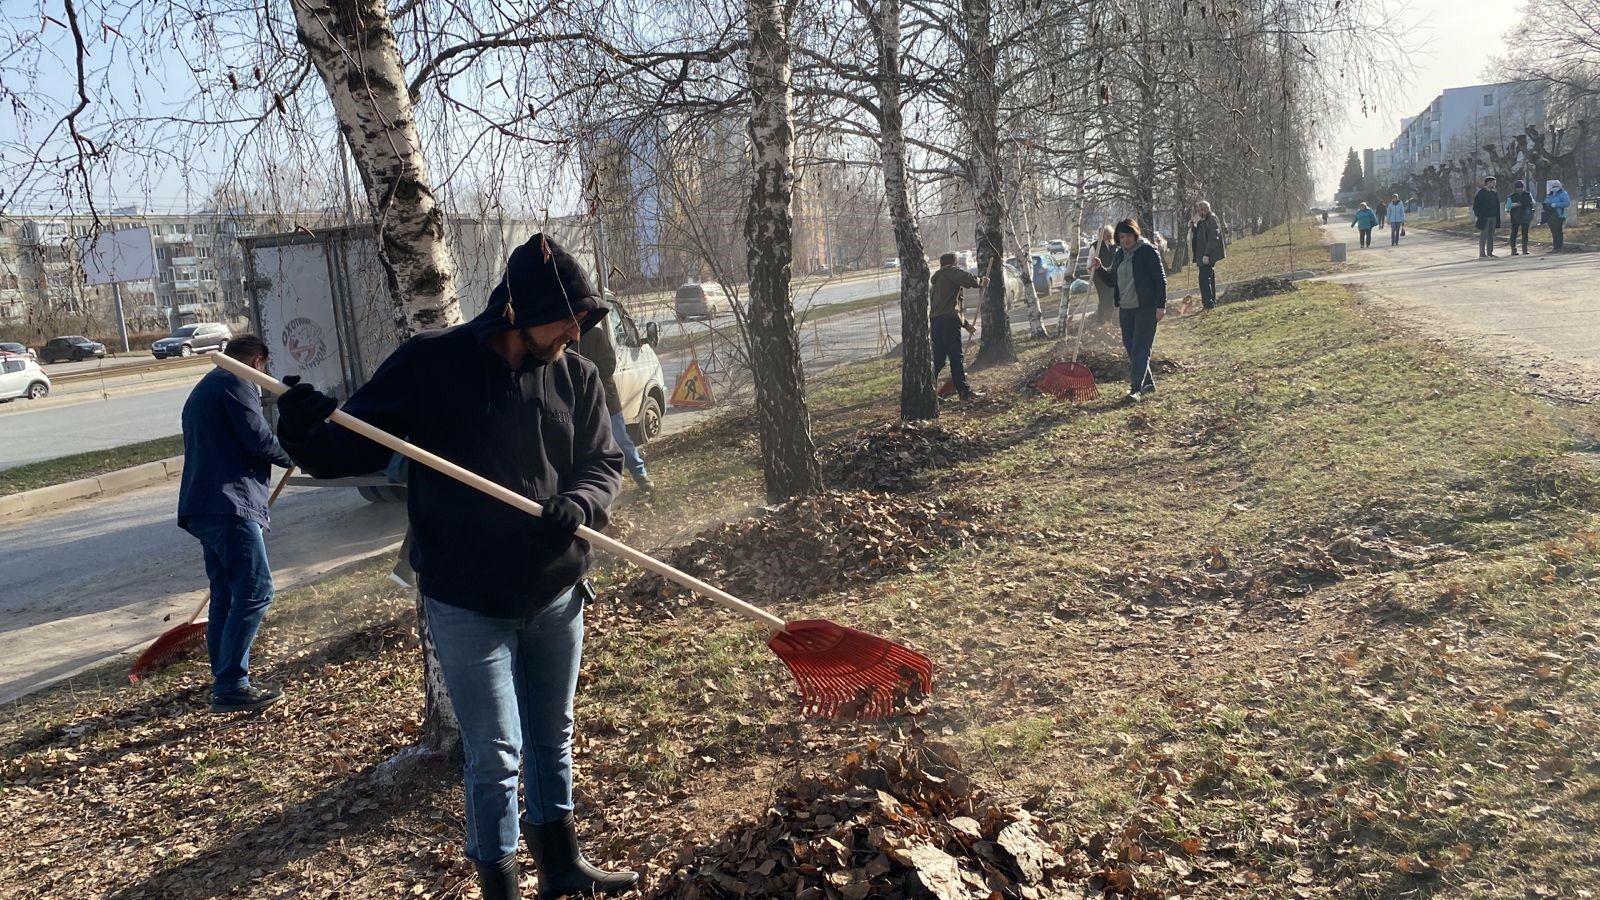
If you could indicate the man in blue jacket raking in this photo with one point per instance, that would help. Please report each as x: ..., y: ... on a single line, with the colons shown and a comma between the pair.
x: 228, y: 455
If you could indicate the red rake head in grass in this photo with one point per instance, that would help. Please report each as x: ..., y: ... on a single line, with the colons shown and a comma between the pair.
x: 165, y: 649
x: 849, y: 674
x: 1068, y: 380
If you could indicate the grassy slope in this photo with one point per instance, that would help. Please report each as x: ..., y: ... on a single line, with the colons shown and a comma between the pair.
x: 1423, y: 726
x: 87, y: 465
x: 1276, y: 252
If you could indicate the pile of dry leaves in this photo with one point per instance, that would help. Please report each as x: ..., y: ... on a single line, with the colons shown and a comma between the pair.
x: 1291, y: 566
x: 891, y: 457
x: 897, y: 820
x: 819, y: 543
x: 1256, y: 288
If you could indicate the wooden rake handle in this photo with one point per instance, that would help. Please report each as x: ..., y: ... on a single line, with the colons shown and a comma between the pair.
x: 472, y: 479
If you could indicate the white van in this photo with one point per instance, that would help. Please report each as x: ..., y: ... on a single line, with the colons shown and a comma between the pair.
x: 641, y: 385
x: 701, y: 301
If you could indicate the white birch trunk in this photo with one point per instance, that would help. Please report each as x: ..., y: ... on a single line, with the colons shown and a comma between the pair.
x: 788, y: 453
x: 352, y: 44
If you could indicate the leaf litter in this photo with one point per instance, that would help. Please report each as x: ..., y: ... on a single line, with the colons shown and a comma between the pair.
x: 819, y: 543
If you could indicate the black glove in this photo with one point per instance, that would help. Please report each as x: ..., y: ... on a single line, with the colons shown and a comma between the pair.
x: 302, y: 408
x: 562, y: 514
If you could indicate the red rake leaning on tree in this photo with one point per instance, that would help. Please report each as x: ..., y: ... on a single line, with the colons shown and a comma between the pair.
x: 500, y: 396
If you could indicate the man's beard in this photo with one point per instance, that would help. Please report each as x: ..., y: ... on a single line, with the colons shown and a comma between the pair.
x: 547, y: 353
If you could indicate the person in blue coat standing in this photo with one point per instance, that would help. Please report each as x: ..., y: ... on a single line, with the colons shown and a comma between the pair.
x: 1556, y: 202
x: 228, y: 455
x: 1364, y: 221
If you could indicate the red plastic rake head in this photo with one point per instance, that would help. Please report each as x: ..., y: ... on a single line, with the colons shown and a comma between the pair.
x: 166, y: 648
x: 845, y: 673
x: 1068, y: 380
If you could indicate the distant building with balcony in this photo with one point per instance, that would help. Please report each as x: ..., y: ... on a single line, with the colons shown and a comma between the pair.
x: 1461, y: 120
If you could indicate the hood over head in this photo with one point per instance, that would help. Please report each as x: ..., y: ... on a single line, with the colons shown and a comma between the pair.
x: 1556, y: 186
x: 541, y: 283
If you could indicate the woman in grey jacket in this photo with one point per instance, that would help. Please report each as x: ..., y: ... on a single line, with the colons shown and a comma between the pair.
x: 1139, y: 284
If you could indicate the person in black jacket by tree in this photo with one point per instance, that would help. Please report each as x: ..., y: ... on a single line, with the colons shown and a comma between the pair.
x: 1140, y: 283
x: 1486, y: 206
x: 501, y: 397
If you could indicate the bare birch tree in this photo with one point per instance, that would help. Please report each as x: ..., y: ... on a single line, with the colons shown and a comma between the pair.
x: 788, y: 454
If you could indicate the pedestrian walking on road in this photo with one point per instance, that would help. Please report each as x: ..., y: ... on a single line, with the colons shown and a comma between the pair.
x: 1324, y: 217
x: 946, y: 318
x: 1139, y: 281
x: 228, y: 455
x: 1382, y: 210
x: 1486, y: 206
x: 1556, y: 202
x: 1205, y: 240
x: 1364, y: 221
x: 502, y: 592
x: 1519, y: 207
x: 598, y: 345
x: 1397, y: 220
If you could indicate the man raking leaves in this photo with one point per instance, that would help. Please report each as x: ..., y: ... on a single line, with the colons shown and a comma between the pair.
x: 518, y: 469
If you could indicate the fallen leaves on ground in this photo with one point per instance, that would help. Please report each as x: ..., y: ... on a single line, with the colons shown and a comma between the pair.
x: 895, y: 820
x: 819, y: 543
x: 891, y: 458
x: 1256, y: 288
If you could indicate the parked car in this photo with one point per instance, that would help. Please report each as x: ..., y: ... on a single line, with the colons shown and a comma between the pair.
x: 12, y: 348
x: 701, y: 301
x: 641, y: 385
x: 892, y: 262
x: 72, y: 348
x: 1056, y: 246
x: 20, y: 376
x: 191, y: 339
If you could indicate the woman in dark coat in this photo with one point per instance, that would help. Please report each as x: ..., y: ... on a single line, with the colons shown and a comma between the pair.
x: 1138, y: 282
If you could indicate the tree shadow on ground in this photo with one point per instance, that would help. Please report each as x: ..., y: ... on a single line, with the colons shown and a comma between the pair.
x: 296, y: 833
x: 186, y: 702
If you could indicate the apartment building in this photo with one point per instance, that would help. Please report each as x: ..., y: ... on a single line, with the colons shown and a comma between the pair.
x: 1461, y: 120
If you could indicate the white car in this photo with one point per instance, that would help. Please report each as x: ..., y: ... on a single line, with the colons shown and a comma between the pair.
x: 22, y: 377
x: 1057, y: 246
x: 892, y: 262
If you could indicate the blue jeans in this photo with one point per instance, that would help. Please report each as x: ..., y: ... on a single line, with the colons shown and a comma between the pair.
x: 630, y: 451
x: 1138, y: 336
x: 511, y: 683
x: 241, y: 590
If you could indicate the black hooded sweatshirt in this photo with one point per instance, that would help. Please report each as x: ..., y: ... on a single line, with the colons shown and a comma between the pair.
x: 540, y: 430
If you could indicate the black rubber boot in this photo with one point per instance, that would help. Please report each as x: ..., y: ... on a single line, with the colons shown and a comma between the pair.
x: 498, y: 881
x: 562, y: 869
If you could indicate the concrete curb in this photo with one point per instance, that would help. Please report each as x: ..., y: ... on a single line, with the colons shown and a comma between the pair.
x: 118, y: 482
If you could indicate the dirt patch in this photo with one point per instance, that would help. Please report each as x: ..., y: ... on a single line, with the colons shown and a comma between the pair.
x: 1257, y: 288
x: 816, y: 544
x: 892, y: 458
x: 897, y: 820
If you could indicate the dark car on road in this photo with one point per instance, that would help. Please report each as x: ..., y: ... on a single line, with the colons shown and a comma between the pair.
x: 71, y: 348
x: 191, y: 339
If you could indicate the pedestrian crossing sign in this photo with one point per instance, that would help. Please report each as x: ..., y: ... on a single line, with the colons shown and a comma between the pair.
x: 693, y: 390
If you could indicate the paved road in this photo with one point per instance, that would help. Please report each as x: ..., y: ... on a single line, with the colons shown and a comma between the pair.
x: 1538, y: 313
x: 53, y: 427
